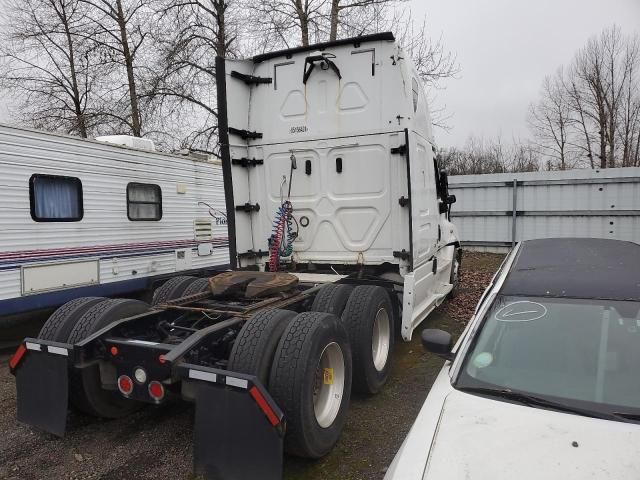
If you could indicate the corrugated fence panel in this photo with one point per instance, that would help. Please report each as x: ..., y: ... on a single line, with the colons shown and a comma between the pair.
x: 575, y: 203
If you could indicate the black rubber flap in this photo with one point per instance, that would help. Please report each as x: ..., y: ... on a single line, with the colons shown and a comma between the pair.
x: 42, y: 383
x: 233, y: 438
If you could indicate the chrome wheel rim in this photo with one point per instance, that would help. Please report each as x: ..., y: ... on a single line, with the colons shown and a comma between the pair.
x: 329, y: 385
x: 381, y: 339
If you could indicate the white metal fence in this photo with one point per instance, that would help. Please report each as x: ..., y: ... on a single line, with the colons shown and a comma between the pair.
x: 496, y: 210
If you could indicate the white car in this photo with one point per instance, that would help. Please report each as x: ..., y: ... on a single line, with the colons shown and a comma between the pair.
x: 544, y: 383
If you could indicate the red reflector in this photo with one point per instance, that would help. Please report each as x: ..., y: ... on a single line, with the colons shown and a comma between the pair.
x: 114, y: 350
x: 125, y: 384
x: 156, y: 390
x: 161, y: 359
x: 15, y: 360
x: 264, y: 406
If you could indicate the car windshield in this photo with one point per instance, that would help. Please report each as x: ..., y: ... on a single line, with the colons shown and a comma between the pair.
x: 583, y: 353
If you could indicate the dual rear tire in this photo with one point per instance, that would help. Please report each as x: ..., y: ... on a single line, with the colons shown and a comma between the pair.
x: 305, y: 361
x: 367, y: 314
x: 177, y: 287
x: 316, y: 357
x: 73, y: 322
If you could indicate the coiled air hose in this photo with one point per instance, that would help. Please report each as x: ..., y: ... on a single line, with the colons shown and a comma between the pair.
x: 280, y: 245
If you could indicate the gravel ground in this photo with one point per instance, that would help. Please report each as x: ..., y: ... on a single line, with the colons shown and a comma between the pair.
x: 156, y: 442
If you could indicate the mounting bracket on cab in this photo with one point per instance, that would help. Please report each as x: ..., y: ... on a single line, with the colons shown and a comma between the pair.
x: 403, y: 255
x: 248, y: 207
x: 250, y: 79
x: 401, y: 150
x: 247, y: 162
x: 245, y: 134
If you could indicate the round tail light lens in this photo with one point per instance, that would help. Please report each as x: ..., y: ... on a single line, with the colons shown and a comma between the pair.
x: 156, y: 390
x: 125, y: 385
x: 140, y: 375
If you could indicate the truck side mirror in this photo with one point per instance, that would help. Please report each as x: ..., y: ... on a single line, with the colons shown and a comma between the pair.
x: 450, y: 199
x: 438, y: 342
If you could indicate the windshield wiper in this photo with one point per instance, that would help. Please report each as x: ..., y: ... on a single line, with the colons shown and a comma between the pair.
x: 533, y: 401
x: 634, y: 417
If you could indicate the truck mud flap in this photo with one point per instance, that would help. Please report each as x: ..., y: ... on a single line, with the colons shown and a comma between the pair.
x: 239, y: 429
x: 42, y: 383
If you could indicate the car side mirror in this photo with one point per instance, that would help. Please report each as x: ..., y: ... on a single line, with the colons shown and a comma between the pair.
x: 450, y: 199
x: 438, y: 342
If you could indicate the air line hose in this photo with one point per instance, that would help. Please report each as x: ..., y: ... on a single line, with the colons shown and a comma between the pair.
x: 281, y: 245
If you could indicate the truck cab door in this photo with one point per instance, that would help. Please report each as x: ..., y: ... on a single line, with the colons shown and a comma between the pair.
x: 424, y: 200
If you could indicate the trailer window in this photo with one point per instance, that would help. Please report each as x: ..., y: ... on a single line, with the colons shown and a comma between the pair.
x: 55, y: 198
x: 144, y: 202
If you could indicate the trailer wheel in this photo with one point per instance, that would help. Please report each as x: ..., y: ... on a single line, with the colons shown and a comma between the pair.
x: 368, y: 318
x: 454, y: 279
x: 199, y: 285
x: 332, y: 298
x: 311, y: 381
x: 86, y: 392
x: 58, y: 326
x: 256, y: 344
x: 171, y: 289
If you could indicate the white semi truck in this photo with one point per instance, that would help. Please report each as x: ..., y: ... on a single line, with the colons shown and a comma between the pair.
x: 339, y: 239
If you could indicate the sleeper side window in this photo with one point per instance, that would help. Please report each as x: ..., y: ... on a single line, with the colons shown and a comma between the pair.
x: 55, y: 198
x: 144, y: 202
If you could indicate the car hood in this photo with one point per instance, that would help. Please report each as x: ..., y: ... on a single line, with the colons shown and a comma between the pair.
x: 479, y: 438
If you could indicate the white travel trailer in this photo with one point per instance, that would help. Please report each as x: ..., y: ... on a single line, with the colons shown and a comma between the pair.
x: 80, y: 217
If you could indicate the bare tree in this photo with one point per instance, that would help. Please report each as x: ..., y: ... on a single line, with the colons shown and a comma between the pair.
x: 550, y: 120
x: 340, y: 10
x: 50, y: 64
x: 479, y: 156
x: 121, y: 28
x: 184, y: 83
x: 590, y: 72
x: 629, y: 111
x: 598, y: 113
x: 288, y: 22
x: 580, y: 119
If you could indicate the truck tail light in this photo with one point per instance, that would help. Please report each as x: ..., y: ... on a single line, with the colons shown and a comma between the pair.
x: 125, y: 385
x: 156, y: 390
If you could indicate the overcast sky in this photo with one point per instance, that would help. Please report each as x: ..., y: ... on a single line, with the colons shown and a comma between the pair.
x: 505, y: 48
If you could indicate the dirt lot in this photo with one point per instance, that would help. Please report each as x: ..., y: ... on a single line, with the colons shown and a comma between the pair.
x: 156, y: 442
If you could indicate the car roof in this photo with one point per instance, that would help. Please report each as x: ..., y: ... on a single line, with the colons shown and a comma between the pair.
x: 575, y: 268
